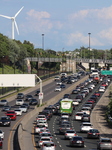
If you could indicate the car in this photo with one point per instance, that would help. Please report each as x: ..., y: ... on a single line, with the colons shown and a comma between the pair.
x: 97, y: 93
x: 48, y: 146
x: 69, y: 134
x: 11, y: 114
x: 20, y: 96
x: 62, y: 86
x: 33, y: 101
x: 102, y: 89
x: 87, y: 110
x: 57, y: 78
x: 38, y: 127
x: 78, y: 115
x: 3, y: 102
x: 63, y: 128
x: 37, y: 93
x: 23, y: 108
x: 46, y: 135
x: 64, y: 115
x: 42, y: 122
x: 42, y: 140
x: 75, y: 102
x: 66, y: 96
x: 27, y: 105
x: 61, y: 119
x: 28, y: 97
x: 89, y: 105
x: 93, y: 133
x: 6, y: 108
x: 65, y: 122
x: 77, y: 141
x: 58, y: 88
x: 18, y: 112
x: 1, y: 143
x: 5, y: 121
x: 104, y: 143
x: 85, y: 127
x: 85, y: 118
x: 58, y: 83
x: 19, y: 102
x: 2, y: 134
x: 75, y: 91
x: 79, y: 98
x: 40, y: 117
x: 69, y: 81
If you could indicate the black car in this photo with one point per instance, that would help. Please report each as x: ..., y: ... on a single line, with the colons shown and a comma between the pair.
x: 37, y: 93
x: 28, y: 97
x: 33, y: 101
x: 20, y: 95
x: 93, y: 133
x: 66, y: 96
x: 75, y: 91
x: 69, y: 82
x: 5, y: 121
x: 77, y: 141
x: 27, y: 105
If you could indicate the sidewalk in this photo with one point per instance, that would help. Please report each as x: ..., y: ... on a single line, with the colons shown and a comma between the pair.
x: 98, y: 115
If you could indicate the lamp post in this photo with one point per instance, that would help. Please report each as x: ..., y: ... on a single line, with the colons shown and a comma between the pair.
x: 43, y: 41
x: 89, y: 44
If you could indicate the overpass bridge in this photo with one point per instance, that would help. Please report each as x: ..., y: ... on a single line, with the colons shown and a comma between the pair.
x: 70, y: 64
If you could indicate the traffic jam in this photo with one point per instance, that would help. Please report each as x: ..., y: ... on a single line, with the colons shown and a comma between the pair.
x: 66, y: 124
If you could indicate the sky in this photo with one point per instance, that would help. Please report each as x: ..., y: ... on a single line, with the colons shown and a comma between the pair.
x: 64, y: 23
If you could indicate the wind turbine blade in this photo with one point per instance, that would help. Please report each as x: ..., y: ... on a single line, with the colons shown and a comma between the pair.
x: 16, y: 27
x: 18, y: 12
x: 6, y: 16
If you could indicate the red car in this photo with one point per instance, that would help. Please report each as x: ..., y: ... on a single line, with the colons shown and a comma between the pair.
x: 91, y: 100
x: 11, y: 114
x: 97, y: 94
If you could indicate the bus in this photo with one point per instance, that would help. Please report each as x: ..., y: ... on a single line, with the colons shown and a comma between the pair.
x: 66, y: 106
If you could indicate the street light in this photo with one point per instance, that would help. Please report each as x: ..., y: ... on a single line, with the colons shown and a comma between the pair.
x: 43, y: 41
x: 89, y: 42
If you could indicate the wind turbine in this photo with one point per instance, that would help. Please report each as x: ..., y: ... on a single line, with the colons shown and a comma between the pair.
x: 13, y: 22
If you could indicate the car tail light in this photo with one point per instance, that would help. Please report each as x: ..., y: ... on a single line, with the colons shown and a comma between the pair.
x: 74, y: 134
x: 82, y: 141
x: 89, y: 133
x: 51, y: 137
x: 40, y: 141
x: 36, y: 127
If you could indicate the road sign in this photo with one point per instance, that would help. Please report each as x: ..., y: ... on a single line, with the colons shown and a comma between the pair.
x: 40, y: 95
x: 106, y: 72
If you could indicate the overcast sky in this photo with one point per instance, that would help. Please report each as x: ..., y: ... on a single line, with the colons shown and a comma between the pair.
x: 64, y: 23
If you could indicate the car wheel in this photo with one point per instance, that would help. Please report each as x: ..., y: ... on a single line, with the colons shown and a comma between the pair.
x: 1, y: 147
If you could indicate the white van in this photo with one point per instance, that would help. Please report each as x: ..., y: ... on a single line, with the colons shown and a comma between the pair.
x: 63, y: 74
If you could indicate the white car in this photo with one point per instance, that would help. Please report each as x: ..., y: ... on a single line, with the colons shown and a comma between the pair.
x: 75, y: 102
x: 86, y: 89
x: 57, y: 89
x: 101, y: 89
x: 19, y: 102
x: 86, y: 126
x: 39, y: 127
x: 39, y: 117
x: 42, y: 140
x: 18, y: 112
x: 69, y: 134
x: 1, y: 134
x: 23, y: 108
x: 78, y: 115
x: 59, y: 83
x: 42, y: 122
x: 48, y: 146
x: 87, y: 110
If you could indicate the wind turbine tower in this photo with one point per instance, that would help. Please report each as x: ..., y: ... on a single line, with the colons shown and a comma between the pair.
x: 13, y: 22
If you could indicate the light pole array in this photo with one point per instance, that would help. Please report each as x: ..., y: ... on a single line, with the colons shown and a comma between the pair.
x: 43, y: 41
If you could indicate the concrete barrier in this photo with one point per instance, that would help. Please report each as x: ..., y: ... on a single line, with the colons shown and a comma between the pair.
x: 28, y: 116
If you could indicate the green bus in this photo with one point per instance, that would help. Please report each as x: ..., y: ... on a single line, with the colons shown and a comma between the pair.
x: 66, y: 106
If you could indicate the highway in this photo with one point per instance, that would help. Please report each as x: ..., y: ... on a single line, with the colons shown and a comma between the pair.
x: 48, y: 91
x: 59, y: 140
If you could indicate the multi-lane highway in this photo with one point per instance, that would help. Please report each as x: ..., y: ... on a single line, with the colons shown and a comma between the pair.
x: 90, y: 144
x: 48, y: 91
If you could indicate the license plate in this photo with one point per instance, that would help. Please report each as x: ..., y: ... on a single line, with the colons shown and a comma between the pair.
x: 78, y: 141
x: 94, y: 133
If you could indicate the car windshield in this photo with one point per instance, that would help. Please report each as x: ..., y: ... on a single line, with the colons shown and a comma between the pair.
x: 11, y: 112
x: 77, y: 138
x: 70, y: 131
x: 3, y: 100
x: 5, y: 118
x: 106, y: 140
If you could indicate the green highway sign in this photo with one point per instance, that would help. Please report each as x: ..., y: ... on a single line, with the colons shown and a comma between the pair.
x: 106, y: 72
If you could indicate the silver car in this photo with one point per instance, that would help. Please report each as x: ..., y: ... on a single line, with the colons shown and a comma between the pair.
x: 69, y: 134
x: 104, y: 143
x: 48, y: 146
